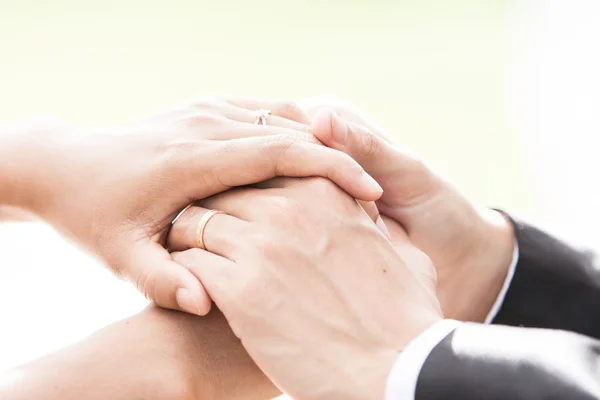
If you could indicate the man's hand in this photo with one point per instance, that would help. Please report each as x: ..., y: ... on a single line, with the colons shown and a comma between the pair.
x: 116, y: 191
x: 471, y: 246
x: 316, y: 292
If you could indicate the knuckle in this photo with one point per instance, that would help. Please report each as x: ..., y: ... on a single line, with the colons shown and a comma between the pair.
x: 146, y: 283
x: 226, y: 148
x: 279, y: 145
x: 205, y: 102
x: 369, y: 143
x: 172, y: 152
x: 281, y: 208
x: 179, y: 156
x: 290, y: 110
x: 202, y: 119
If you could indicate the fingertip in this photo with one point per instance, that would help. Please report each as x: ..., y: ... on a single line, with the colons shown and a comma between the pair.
x: 349, y: 174
x: 363, y: 186
x: 190, y: 295
x: 174, y: 286
x: 193, y: 301
x: 375, y: 189
x: 205, y: 303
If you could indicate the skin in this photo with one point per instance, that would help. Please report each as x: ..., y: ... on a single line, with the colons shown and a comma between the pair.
x: 470, y: 245
x: 116, y: 191
x: 275, y: 299
x: 156, y: 355
x: 301, y: 273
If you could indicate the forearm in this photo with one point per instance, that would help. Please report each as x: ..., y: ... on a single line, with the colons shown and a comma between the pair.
x: 155, y: 355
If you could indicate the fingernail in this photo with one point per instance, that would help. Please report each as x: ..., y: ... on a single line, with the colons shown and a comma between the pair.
x: 368, y: 179
x: 381, y: 225
x: 187, y: 302
x: 339, y: 128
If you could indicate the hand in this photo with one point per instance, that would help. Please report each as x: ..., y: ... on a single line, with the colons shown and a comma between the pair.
x: 471, y: 246
x: 320, y: 299
x: 116, y: 191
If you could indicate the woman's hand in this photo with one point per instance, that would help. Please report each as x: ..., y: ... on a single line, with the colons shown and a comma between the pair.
x: 319, y: 297
x: 471, y: 246
x: 116, y: 191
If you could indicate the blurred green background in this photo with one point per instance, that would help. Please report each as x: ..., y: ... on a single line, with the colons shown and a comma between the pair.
x: 433, y: 72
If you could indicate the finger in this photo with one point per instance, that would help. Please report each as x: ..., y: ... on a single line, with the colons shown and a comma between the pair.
x: 279, y: 182
x: 251, y: 116
x: 285, y: 109
x: 221, y: 236
x: 315, y: 105
x: 165, y: 282
x: 246, y: 203
x: 217, y: 273
x: 397, y: 232
x: 370, y: 208
x: 243, y: 204
x: 375, y: 155
x: 250, y: 160
x: 373, y: 212
x: 239, y: 124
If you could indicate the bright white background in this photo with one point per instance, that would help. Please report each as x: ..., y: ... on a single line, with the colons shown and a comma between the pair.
x: 539, y: 159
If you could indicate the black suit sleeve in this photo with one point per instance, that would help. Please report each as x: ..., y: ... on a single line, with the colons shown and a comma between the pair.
x: 494, y: 362
x: 555, y: 286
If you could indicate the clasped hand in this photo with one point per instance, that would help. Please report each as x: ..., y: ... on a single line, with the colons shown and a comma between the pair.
x: 307, y: 281
x: 115, y: 191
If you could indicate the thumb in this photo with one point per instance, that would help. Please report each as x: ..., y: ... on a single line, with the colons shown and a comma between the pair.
x: 373, y: 153
x: 165, y: 282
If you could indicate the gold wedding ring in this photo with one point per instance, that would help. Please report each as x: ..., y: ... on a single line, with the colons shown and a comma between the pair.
x: 262, y: 117
x: 201, y: 227
x: 180, y: 214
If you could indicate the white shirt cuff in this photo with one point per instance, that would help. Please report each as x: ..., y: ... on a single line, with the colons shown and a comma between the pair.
x: 402, y: 381
x: 509, y: 277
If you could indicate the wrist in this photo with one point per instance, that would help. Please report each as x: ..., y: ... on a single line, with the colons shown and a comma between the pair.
x: 27, y: 153
x: 480, y: 279
x: 364, y: 376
